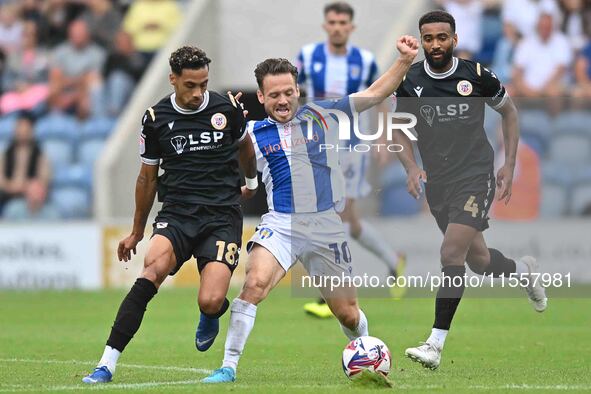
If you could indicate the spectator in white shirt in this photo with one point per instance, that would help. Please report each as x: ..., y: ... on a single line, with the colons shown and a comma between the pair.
x: 541, y: 62
x: 524, y: 14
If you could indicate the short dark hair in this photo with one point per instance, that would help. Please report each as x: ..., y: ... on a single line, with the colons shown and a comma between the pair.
x: 26, y: 115
x: 274, y: 66
x: 340, y: 7
x: 438, y: 17
x: 188, y: 57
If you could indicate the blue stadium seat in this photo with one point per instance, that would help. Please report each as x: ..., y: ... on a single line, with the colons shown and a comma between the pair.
x: 536, y: 142
x: 72, y: 202
x: 581, y: 198
x: 395, y: 201
x: 98, y: 127
x: 535, y: 121
x: 7, y: 123
x: 554, y: 201
x: 57, y: 125
x: 555, y: 172
x: 77, y: 175
x: 60, y: 152
x: 570, y: 148
x: 582, y: 174
x: 393, y: 175
x: 89, y: 151
x: 573, y: 123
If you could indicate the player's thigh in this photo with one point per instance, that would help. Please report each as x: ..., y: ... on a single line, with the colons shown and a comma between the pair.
x: 160, y: 259
x: 263, y: 273
x: 456, y: 242
x: 478, y: 256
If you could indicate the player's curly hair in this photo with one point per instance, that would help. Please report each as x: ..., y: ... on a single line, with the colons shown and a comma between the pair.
x: 274, y: 66
x: 188, y: 57
x: 438, y: 17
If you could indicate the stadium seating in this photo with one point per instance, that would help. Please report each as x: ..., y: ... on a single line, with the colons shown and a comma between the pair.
x: 554, y: 200
x: 72, y: 202
x: 57, y: 125
x: 59, y: 152
x: 573, y: 122
x: 89, y: 150
x: 581, y: 199
x: 535, y: 121
x: 570, y: 148
x: 7, y: 123
x: 395, y: 200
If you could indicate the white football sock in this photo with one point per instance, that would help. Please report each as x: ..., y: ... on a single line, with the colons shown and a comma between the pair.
x: 109, y: 358
x: 242, y: 318
x: 360, y: 331
x: 437, y: 337
x: 371, y: 240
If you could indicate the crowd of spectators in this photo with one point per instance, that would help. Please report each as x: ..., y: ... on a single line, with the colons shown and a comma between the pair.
x: 67, y: 69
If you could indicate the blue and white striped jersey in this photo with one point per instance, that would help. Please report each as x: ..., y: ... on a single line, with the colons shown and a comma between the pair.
x: 323, y: 74
x: 300, y: 174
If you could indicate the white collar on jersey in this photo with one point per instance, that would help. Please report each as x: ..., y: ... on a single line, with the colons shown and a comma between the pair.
x: 328, y: 54
x: 446, y: 74
x: 188, y: 111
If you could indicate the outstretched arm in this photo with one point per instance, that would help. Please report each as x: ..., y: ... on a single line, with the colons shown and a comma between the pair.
x: 145, y: 192
x: 388, y: 82
x: 511, y: 140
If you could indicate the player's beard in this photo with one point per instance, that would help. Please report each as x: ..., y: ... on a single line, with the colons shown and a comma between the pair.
x: 443, y: 62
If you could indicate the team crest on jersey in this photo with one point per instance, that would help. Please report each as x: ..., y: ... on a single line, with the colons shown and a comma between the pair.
x: 265, y: 233
x: 219, y: 121
x: 465, y: 88
x: 428, y: 113
x: 178, y: 142
x: 355, y: 72
x: 317, y: 67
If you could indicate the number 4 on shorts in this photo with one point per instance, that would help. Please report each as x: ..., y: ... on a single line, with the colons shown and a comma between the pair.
x: 471, y: 206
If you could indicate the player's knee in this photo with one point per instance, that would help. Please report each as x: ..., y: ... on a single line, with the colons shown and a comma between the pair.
x: 348, y: 317
x: 156, y: 269
x: 451, y: 255
x: 211, y: 303
x: 255, y: 289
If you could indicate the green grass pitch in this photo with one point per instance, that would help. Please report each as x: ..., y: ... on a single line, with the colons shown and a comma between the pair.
x: 50, y: 340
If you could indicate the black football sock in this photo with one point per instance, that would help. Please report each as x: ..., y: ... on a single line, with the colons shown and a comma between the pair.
x: 130, y: 314
x: 449, y: 295
x: 499, y: 265
x: 219, y: 313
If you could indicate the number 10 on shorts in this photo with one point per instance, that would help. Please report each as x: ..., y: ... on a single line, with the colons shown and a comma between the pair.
x: 337, y: 253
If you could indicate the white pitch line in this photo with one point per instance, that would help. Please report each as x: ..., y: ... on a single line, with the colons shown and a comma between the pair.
x: 70, y: 362
x: 535, y: 387
x: 110, y: 386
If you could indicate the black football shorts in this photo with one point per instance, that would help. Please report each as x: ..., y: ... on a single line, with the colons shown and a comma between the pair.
x: 466, y: 201
x: 207, y: 232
